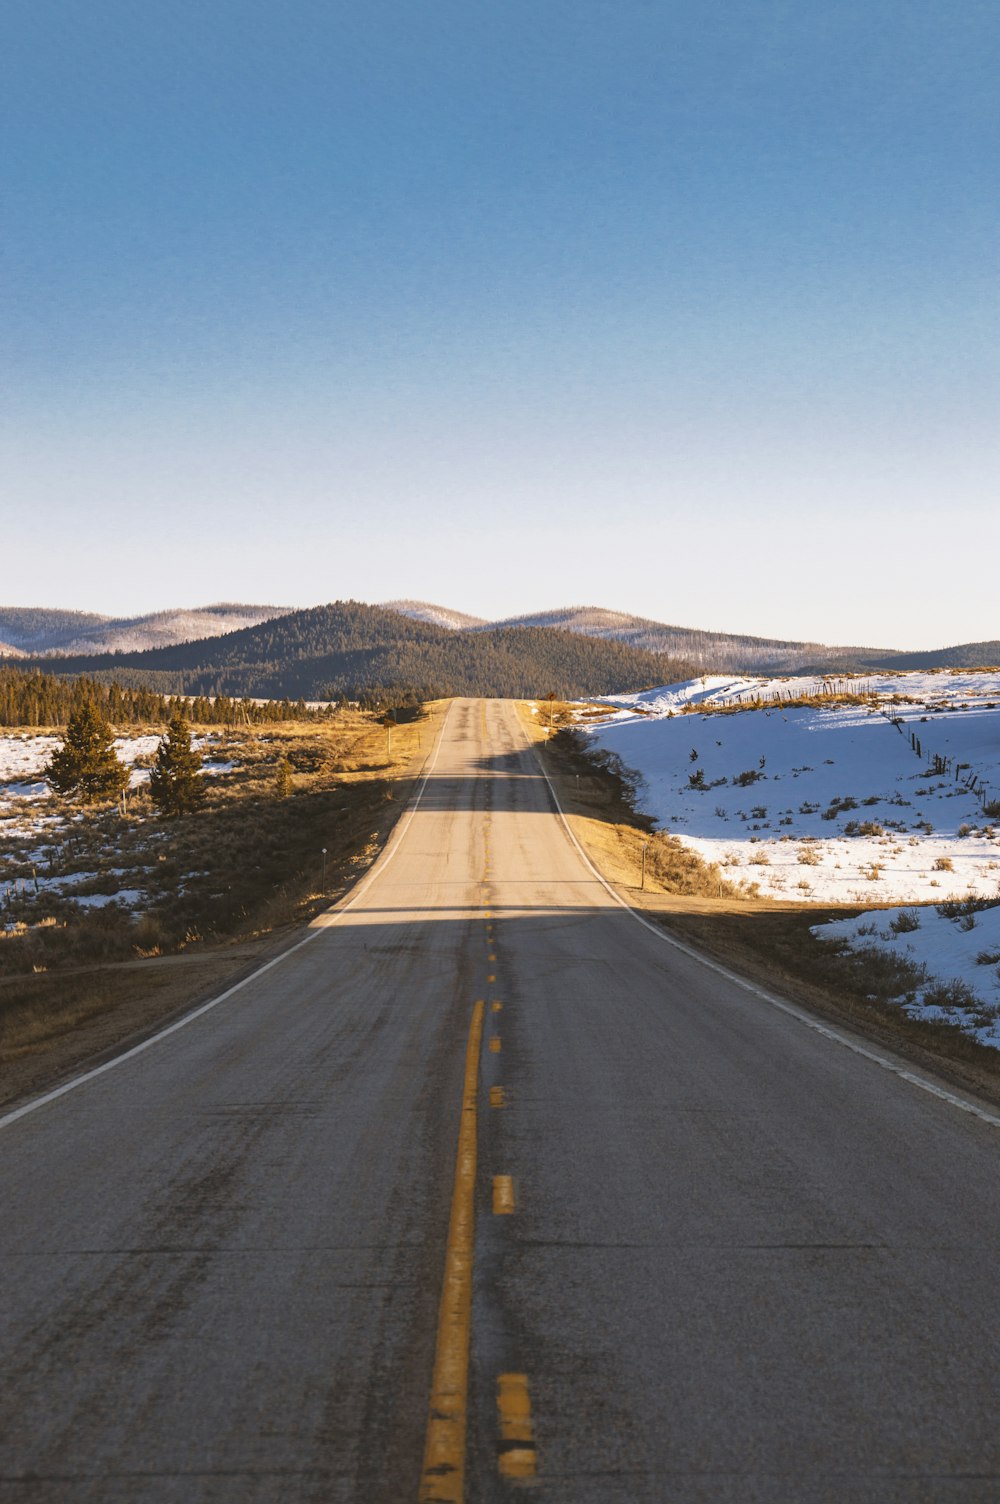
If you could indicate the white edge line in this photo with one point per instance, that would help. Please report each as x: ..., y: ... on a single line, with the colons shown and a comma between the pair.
x: 317, y: 927
x: 885, y: 1061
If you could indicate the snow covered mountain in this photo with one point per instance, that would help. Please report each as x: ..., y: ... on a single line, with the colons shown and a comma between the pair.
x: 53, y: 633
x: 438, y: 616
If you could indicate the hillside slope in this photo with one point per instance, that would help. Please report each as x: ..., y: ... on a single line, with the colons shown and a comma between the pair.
x: 351, y: 648
x: 719, y: 652
x: 963, y: 655
x: 41, y: 632
x: 438, y: 616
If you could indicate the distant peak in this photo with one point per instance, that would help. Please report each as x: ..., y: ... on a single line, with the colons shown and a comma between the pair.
x: 438, y: 616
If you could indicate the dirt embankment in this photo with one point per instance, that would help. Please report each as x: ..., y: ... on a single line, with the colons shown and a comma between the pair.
x: 766, y: 940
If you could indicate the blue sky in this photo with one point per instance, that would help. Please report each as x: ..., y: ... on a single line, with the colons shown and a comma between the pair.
x: 686, y: 309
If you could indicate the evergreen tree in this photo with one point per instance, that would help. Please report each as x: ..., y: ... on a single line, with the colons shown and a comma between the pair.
x: 86, y: 766
x: 283, y: 778
x: 175, y: 782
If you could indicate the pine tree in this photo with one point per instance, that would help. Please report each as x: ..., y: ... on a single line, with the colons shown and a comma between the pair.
x: 283, y: 778
x: 86, y: 766
x: 175, y: 782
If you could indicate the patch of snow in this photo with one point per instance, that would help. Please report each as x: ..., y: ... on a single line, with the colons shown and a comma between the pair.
x: 963, y: 948
x: 128, y: 897
x: 27, y: 790
x: 22, y: 757
x: 129, y: 748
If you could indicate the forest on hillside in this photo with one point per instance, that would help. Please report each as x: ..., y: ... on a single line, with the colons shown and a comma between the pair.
x: 364, y: 652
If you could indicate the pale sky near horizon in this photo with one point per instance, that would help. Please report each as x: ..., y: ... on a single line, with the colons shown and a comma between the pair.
x: 688, y: 309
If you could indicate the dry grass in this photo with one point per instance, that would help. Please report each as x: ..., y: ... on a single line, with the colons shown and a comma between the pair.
x: 602, y: 798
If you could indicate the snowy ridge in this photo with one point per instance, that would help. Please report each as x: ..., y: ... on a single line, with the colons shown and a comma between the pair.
x: 52, y: 634
x: 437, y: 616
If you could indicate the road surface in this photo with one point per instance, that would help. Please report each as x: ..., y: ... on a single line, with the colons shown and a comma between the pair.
x: 715, y: 1254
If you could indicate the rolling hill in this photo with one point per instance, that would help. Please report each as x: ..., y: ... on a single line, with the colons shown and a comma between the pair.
x: 349, y: 648
x: 39, y: 632
x: 718, y: 652
x: 438, y: 616
x: 355, y: 649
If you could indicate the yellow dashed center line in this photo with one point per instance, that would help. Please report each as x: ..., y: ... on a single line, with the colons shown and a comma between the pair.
x: 495, y: 1046
x: 516, y: 1456
x: 443, y: 1477
x: 504, y: 1200
x: 496, y: 1006
x: 498, y: 1096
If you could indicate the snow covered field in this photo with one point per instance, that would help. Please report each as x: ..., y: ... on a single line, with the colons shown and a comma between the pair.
x: 36, y: 828
x: 894, y: 801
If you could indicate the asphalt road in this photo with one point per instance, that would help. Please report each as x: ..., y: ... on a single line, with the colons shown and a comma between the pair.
x: 733, y: 1260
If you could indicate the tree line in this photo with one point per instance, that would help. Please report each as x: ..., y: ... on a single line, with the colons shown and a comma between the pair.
x: 33, y: 698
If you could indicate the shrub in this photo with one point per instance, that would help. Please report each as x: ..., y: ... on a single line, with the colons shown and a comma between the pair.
x: 943, y: 864
x: 951, y: 995
x: 282, y: 778
x: 838, y: 806
x: 955, y: 908
x: 678, y: 869
x: 884, y: 974
x: 905, y: 922
x: 748, y: 776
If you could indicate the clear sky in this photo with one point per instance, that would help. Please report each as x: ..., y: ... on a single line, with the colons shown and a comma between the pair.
x: 680, y: 307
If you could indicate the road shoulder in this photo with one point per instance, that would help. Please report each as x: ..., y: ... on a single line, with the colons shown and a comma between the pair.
x: 766, y: 941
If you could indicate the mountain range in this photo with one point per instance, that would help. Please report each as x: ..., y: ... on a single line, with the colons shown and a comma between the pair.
x: 420, y: 649
x: 715, y: 652
x: 352, y: 649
